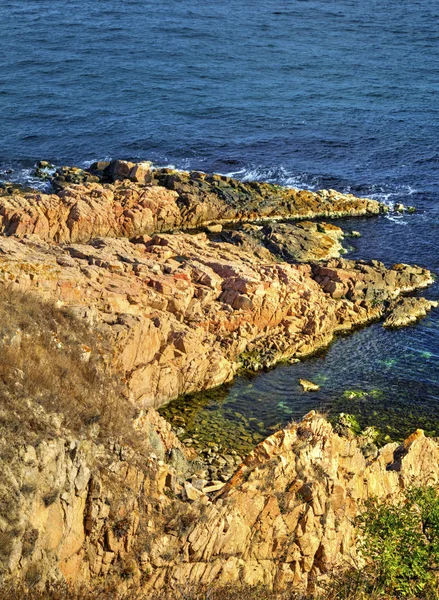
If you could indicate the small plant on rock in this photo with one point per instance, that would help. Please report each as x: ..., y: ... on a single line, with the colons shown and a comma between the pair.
x: 401, y: 541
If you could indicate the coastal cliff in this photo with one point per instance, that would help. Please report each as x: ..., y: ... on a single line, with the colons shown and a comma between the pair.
x: 173, y: 311
x: 286, y: 519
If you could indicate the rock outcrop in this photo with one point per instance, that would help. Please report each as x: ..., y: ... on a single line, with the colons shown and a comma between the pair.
x: 408, y: 310
x: 201, y: 196
x: 184, y: 313
x: 287, y: 516
x: 286, y: 519
x: 84, y: 209
x: 71, y: 507
x: 79, y: 213
x: 293, y: 242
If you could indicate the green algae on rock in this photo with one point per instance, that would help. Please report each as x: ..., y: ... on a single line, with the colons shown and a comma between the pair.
x: 203, y: 419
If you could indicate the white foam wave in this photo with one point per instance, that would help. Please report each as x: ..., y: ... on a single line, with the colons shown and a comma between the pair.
x: 391, y: 196
x: 26, y: 177
x: 86, y: 164
x: 277, y: 175
x: 397, y: 218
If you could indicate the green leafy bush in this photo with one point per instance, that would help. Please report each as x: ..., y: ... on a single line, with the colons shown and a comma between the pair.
x: 401, y: 544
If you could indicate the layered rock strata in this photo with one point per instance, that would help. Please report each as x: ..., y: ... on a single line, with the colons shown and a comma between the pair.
x: 184, y: 313
x: 286, y: 519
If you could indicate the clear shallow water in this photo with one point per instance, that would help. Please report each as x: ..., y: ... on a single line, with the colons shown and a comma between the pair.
x: 305, y: 93
x: 386, y: 378
x: 395, y: 371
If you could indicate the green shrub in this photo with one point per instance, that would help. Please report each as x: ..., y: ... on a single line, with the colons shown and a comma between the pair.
x: 401, y: 544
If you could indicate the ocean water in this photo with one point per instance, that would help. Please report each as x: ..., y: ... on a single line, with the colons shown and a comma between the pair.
x: 307, y: 93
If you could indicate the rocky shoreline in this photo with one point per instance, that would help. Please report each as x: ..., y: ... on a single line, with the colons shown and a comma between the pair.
x: 186, y: 311
x: 192, y: 277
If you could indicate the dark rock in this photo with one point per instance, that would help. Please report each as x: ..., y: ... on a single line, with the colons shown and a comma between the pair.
x: 66, y: 176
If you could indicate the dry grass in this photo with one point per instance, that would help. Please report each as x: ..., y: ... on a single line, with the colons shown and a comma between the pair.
x: 350, y: 589
x: 61, y: 591
x: 45, y: 381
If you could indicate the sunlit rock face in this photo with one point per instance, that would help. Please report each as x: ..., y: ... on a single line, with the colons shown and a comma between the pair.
x: 286, y: 518
x: 185, y: 312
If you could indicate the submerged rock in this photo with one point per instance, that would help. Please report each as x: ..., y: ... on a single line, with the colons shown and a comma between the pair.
x: 355, y: 394
x: 309, y: 386
x: 347, y: 425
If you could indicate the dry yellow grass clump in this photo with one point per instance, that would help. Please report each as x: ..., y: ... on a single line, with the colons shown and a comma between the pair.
x: 55, y: 371
x: 347, y: 588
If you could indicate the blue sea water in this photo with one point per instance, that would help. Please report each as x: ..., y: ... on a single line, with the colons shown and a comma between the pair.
x: 308, y: 93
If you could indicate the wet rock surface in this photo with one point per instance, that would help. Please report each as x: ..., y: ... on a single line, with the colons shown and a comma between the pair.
x: 302, y: 242
x: 233, y: 200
